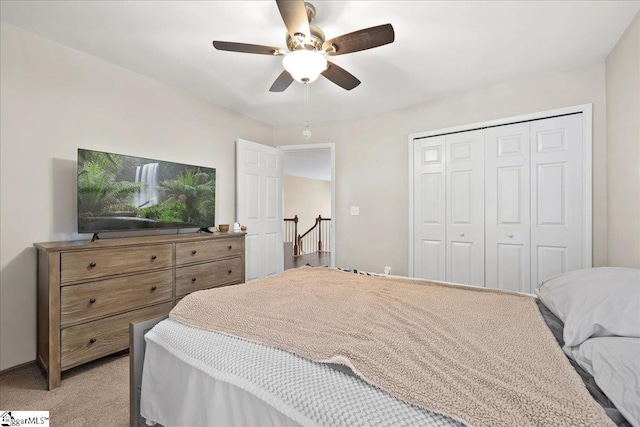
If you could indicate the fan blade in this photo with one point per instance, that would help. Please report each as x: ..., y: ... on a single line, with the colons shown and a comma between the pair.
x: 294, y: 15
x: 340, y: 76
x: 360, y: 40
x: 248, y: 48
x: 282, y: 82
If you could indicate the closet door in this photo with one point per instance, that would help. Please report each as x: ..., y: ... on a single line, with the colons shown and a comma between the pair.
x: 429, y: 208
x: 557, y: 189
x: 465, y: 207
x: 507, y: 203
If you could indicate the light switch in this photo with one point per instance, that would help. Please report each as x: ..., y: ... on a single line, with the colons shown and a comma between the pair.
x: 355, y: 210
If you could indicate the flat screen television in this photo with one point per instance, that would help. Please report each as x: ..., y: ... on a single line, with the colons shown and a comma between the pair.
x: 118, y: 192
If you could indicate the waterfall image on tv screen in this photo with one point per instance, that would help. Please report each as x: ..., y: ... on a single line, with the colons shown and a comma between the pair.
x: 117, y: 192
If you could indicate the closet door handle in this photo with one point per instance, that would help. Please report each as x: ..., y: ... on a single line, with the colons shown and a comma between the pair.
x: 461, y: 234
x: 510, y: 235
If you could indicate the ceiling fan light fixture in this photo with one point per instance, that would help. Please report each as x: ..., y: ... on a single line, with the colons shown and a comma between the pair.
x: 304, y: 65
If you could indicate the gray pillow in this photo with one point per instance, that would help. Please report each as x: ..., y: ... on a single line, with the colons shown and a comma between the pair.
x: 595, y: 302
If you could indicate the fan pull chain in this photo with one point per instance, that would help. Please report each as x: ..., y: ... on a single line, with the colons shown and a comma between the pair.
x: 306, y: 133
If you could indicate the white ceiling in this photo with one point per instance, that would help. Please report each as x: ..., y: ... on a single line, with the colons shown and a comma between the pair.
x: 441, y: 48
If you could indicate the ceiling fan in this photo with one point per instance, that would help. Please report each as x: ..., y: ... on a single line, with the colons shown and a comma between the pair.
x: 305, y: 58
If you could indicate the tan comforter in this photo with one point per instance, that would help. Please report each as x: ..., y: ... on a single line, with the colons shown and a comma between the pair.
x: 481, y: 356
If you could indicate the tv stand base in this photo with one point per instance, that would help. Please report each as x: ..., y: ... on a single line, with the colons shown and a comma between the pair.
x: 95, y: 237
x: 205, y: 230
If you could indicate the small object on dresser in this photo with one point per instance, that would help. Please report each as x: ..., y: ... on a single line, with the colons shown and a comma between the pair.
x: 236, y: 227
x: 243, y: 228
x: 223, y: 228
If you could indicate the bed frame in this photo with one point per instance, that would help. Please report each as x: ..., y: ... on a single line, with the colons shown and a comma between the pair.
x: 136, y: 361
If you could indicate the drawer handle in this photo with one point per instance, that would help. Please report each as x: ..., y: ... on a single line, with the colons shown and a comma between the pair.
x: 193, y: 279
x: 92, y: 340
x: 93, y: 264
x: 92, y: 301
x: 230, y: 271
x: 230, y: 247
x: 193, y: 252
x: 153, y: 288
x: 153, y: 257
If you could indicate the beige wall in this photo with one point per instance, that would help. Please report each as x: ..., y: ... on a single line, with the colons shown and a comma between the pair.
x: 623, y: 148
x: 371, y: 159
x: 54, y: 100
x: 306, y: 198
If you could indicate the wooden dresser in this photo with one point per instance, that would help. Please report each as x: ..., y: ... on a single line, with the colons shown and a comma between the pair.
x: 89, y: 292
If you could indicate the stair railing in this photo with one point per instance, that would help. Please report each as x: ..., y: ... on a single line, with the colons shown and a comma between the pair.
x: 316, y: 238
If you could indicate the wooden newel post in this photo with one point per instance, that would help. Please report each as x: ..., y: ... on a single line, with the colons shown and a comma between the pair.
x: 319, y: 222
x: 296, y: 237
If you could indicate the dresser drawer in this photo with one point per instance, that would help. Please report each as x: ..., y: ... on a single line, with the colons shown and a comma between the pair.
x: 209, y: 275
x: 82, y: 343
x: 75, y: 266
x: 90, y: 301
x: 191, y: 252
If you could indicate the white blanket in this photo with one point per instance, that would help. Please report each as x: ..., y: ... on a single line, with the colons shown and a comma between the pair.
x: 305, y: 392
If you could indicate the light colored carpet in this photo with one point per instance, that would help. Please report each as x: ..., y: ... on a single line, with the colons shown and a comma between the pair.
x: 95, y: 394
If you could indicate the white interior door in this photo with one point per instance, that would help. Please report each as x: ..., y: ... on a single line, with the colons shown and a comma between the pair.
x: 429, y: 208
x: 464, y: 185
x: 558, y: 191
x: 507, y: 208
x: 259, y: 206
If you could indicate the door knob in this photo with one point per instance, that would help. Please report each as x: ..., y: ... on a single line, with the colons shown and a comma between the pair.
x: 510, y: 235
x: 461, y: 234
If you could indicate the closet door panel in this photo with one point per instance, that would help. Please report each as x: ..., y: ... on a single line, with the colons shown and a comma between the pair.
x: 429, y: 208
x: 507, y: 204
x: 558, y: 189
x: 461, y: 268
x: 464, y: 185
x: 511, y: 264
x: 432, y: 259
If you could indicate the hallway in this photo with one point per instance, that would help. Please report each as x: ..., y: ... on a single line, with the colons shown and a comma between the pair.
x: 314, y: 259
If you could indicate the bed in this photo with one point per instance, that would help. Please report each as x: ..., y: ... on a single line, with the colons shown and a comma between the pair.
x: 246, y: 370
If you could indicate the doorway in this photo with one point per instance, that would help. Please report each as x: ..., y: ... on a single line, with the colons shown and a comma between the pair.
x: 309, y: 197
